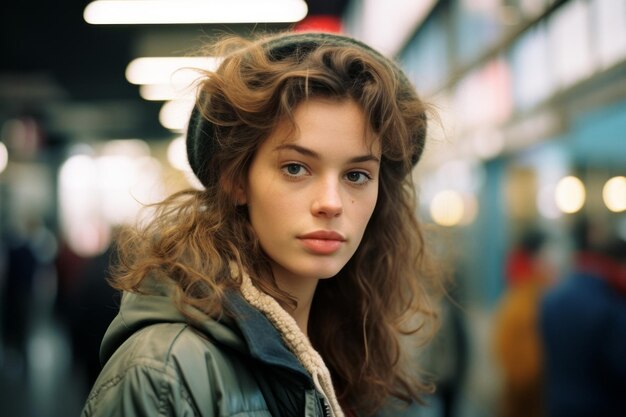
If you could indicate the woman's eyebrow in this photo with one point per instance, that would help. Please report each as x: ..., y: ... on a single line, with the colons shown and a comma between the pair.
x: 312, y: 154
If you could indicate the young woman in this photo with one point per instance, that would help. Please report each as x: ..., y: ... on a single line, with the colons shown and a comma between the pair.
x: 285, y: 286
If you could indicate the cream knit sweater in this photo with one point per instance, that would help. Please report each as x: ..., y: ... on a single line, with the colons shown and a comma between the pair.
x: 297, y: 341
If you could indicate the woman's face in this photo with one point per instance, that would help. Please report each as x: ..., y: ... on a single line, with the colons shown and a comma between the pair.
x: 311, y: 193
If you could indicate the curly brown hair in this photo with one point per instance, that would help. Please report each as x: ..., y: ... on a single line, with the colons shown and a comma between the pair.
x: 196, y: 234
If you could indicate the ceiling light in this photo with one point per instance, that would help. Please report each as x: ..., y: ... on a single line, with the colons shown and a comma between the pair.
x: 180, y: 72
x: 447, y: 208
x: 165, y: 92
x: 177, y: 154
x: 614, y: 194
x: 4, y: 157
x: 194, y: 11
x: 570, y: 194
x: 174, y: 115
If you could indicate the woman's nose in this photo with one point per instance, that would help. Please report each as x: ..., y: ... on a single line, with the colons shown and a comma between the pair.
x: 327, y: 200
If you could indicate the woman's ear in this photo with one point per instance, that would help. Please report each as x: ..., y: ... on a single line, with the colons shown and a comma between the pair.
x: 235, y: 189
x: 239, y: 192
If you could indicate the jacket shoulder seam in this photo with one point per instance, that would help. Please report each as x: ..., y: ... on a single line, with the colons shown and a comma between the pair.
x: 160, y: 369
x: 116, y: 379
x: 162, y: 392
x: 162, y: 408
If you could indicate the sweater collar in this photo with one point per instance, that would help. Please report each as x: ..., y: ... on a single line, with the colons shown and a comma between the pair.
x: 295, y: 340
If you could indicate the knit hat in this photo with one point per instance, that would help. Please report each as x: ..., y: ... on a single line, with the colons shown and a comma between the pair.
x: 201, y: 141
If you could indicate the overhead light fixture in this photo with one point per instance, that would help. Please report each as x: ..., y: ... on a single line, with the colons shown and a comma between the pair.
x: 570, y: 194
x: 179, y: 72
x: 165, y: 92
x: 102, y: 12
x: 4, y: 157
x: 177, y: 154
x: 174, y: 115
x: 614, y: 194
x: 447, y: 208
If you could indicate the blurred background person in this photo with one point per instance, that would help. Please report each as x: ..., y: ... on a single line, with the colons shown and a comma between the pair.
x: 87, y: 305
x: 583, y: 329
x: 516, y: 333
x: 22, y: 264
x: 447, y: 356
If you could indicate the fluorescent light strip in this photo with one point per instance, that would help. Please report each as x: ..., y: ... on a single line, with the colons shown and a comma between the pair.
x: 179, y: 72
x: 165, y: 92
x: 113, y: 12
x: 174, y: 115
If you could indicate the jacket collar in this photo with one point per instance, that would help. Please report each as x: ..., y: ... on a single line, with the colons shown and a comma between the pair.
x: 264, y: 342
x: 248, y: 331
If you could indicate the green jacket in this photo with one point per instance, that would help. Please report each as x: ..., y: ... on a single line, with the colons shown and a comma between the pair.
x: 157, y: 363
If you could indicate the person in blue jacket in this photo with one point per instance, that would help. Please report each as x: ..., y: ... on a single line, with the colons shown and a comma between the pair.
x: 583, y: 328
x: 284, y: 287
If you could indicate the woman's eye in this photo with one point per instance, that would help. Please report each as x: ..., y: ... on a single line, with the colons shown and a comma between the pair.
x: 358, y: 177
x: 294, y: 170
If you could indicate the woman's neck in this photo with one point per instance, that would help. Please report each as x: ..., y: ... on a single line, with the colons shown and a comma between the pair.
x: 300, y: 288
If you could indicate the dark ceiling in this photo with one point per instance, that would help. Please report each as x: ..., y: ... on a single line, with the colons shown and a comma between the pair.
x: 69, y: 75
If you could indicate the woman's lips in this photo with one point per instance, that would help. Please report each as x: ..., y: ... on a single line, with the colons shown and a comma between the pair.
x: 322, y: 242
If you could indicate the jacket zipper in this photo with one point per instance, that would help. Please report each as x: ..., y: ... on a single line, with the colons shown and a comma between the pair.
x: 325, y: 407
